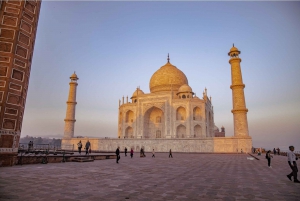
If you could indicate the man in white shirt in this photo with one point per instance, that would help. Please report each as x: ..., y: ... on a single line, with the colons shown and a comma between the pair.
x: 292, y: 163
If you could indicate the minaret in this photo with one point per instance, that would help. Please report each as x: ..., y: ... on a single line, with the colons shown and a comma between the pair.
x: 238, y: 98
x: 71, y: 103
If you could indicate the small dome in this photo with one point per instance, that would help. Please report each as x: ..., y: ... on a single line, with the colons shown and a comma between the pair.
x: 233, y: 49
x: 137, y: 92
x: 185, y: 89
x: 74, y: 76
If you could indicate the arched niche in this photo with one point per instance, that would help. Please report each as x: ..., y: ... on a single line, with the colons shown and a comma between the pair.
x: 129, y: 116
x: 181, y: 131
x: 151, y: 123
x: 197, y: 131
x: 180, y: 114
x: 197, y: 114
x: 129, y: 132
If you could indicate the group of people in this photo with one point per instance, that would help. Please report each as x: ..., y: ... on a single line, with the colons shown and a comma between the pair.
x: 142, y: 153
x: 87, y: 147
x: 276, y: 151
x: 125, y: 151
x: 291, y: 161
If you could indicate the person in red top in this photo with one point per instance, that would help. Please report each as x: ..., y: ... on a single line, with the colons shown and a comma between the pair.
x: 131, y: 152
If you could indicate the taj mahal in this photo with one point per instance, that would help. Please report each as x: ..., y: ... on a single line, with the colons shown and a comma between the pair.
x: 170, y: 110
x: 171, y: 116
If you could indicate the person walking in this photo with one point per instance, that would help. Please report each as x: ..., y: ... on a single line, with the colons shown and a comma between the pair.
x: 278, y: 151
x: 118, y: 154
x: 293, y: 165
x: 131, y: 152
x: 79, y: 144
x: 274, y: 151
x: 268, y: 156
x: 170, y: 154
x: 87, y: 147
x: 143, y: 152
x: 125, y: 151
x: 153, y: 153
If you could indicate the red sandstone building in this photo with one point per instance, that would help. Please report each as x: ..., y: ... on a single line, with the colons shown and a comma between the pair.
x: 18, y: 25
x: 218, y: 133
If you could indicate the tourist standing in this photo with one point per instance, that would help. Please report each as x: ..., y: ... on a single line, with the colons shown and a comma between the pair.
x: 170, y: 154
x: 153, y: 154
x: 125, y: 151
x: 268, y: 156
x: 118, y: 154
x: 293, y: 165
x: 131, y: 152
x: 29, y: 146
x: 79, y: 146
x: 87, y: 147
x: 274, y: 151
x: 278, y: 151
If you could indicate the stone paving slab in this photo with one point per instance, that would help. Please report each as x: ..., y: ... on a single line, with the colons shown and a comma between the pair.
x: 223, y: 177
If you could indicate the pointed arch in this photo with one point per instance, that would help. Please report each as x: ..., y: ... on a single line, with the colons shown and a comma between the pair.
x: 129, y: 116
x: 197, y: 114
x: 181, y: 131
x: 180, y: 114
x: 152, y: 123
x: 129, y: 132
x: 197, y: 131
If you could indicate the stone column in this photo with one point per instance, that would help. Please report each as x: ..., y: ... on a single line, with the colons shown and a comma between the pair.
x: 71, y: 104
x: 238, y: 98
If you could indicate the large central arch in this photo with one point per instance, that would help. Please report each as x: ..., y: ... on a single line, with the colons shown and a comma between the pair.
x: 154, y: 123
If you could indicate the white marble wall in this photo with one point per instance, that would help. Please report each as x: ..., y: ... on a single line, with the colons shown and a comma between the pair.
x: 169, y: 105
x: 204, y: 145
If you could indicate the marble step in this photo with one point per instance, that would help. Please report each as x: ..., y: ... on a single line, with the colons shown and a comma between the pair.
x: 83, y: 159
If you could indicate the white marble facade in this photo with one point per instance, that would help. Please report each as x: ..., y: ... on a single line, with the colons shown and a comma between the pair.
x: 170, y: 110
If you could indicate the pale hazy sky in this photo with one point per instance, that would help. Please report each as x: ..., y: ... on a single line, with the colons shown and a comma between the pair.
x: 116, y: 46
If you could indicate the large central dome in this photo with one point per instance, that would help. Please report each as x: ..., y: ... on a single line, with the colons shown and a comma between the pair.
x: 167, y: 78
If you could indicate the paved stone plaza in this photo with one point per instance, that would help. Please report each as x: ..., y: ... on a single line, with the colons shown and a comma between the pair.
x: 184, y: 177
